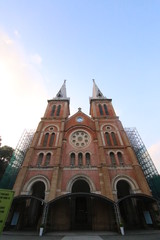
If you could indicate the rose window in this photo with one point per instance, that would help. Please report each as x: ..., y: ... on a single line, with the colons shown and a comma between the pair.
x: 80, y: 139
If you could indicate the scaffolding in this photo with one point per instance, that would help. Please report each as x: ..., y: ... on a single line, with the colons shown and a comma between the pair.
x: 144, y: 159
x: 16, y: 160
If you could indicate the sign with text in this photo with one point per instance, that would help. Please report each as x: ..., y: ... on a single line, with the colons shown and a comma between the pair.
x: 6, y: 197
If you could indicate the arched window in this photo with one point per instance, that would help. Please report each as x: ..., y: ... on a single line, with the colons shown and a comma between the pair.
x: 51, y: 139
x: 120, y: 158
x: 106, y: 109
x: 47, y: 160
x: 40, y: 159
x: 53, y: 110
x: 58, y: 110
x: 108, y: 139
x: 112, y: 157
x: 80, y: 159
x: 114, y: 138
x: 100, y: 109
x: 87, y: 158
x: 72, y: 159
x: 45, y: 140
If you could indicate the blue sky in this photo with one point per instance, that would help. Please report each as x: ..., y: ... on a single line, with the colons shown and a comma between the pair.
x: 43, y: 42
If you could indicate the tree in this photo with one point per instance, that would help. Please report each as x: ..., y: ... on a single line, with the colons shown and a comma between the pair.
x: 154, y: 183
x: 5, y: 156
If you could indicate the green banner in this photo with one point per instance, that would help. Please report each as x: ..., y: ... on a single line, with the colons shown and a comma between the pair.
x: 6, y: 197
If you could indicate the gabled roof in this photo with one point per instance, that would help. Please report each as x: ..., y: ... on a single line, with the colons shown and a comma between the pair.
x: 79, y: 113
x: 79, y: 119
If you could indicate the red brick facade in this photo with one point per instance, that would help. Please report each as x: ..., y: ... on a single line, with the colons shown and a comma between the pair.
x: 94, y: 149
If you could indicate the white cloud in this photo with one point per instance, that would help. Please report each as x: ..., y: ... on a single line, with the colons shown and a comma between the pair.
x: 36, y: 58
x: 155, y: 154
x: 16, y: 33
x: 22, y: 91
x: 4, y: 40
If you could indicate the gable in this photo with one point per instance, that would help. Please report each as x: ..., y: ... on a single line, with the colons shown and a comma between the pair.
x: 79, y: 120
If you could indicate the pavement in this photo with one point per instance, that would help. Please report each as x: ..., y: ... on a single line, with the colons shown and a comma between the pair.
x: 129, y: 235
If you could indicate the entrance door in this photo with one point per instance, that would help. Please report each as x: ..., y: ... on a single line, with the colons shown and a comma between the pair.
x: 81, y: 213
x: 81, y: 206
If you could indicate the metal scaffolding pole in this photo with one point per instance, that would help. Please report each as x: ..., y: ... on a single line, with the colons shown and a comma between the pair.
x: 144, y: 159
x: 16, y: 161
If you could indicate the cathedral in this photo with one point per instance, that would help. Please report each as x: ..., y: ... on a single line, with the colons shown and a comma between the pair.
x: 81, y: 173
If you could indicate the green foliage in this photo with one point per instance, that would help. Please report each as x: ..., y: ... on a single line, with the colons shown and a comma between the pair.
x: 5, y: 156
x: 154, y: 183
x: 6, y: 152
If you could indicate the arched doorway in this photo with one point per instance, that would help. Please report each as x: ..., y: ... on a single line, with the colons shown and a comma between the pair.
x: 123, y: 189
x: 38, y: 190
x: 139, y: 211
x: 80, y: 186
x: 136, y: 210
x: 127, y: 208
x: 35, y: 209
x: 95, y: 212
x: 81, y: 206
x: 26, y: 211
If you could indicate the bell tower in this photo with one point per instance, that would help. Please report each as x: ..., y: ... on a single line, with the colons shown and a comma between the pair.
x: 45, y: 152
x: 58, y: 107
x: 100, y: 106
x: 113, y: 145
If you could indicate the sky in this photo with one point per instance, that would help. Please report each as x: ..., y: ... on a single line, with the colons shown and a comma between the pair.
x: 115, y: 42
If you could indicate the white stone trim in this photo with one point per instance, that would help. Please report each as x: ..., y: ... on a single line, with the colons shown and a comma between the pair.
x: 113, y: 129
x: 28, y: 186
x: 132, y: 183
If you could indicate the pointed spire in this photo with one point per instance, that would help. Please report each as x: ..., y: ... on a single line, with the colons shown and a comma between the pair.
x: 96, y: 92
x: 62, y: 94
